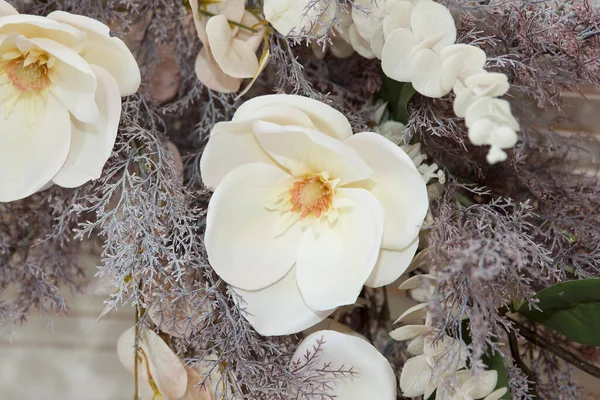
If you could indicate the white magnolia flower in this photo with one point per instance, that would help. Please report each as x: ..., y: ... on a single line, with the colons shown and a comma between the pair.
x: 228, y: 55
x: 373, y: 376
x: 304, y: 212
x: 61, y: 82
x: 491, y: 122
x: 160, y: 372
x: 476, y: 86
x: 431, y: 29
x: 468, y: 386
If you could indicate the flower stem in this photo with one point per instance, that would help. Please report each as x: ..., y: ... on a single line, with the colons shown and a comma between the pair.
x: 135, y: 354
x: 557, y: 350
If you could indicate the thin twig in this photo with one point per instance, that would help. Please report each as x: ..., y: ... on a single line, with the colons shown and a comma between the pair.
x: 554, y: 348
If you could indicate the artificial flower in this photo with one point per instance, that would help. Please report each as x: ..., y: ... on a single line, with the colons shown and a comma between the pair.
x: 334, y: 210
x: 431, y: 29
x: 61, y: 82
x: 478, y: 85
x: 467, y: 385
x: 159, y: 371
x: 228, y: 55
x: 372, y: 376
x: 491, y: 122
x: 295, y: 17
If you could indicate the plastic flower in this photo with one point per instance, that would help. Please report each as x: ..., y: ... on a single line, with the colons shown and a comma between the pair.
x: 491, y: 122
x: 408, y: 52
x: 371, y: 377
x: 470, y: 386
x: 160, y: 372
x: 61, y: 82
x: 478, y: 85
x: 304, y: 212
x: 228, y: 55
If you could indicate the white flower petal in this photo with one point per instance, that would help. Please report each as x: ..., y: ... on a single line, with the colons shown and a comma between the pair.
x: 415, y: 282
x: 334, y: 264
x: 416, y: 346
x: 391, y: 264
x: 408, y: 332
x: 231, y: 144
x: 104, y: 51
x: 34, y: 26
x: 374, y: 375
x: 496, y: 394
x: 238, y: 232
x: 92, y: 144
x: 428, y: 73
x: 298, y: 147
x: 367, y: 22
x: 166, y: 369
x: 377, y: 41
x: 32, y: 151
x: 7, y: 9
x: 253, y: 40
x: 263, y: 62
x: 233, y: 56
x: 289, y: 16
x: 399, y: 17
x: 325, y: 118
x: 414, y: 376
x: 433, y: 23
x: 496, y: 110
x: 211, y: 75
x: 359, y: 43
x: 415, y: 313
x: 480, y: 386
x: 396, y: 56
x: 399, y: 188
x: 73, y: 81
x: 279, y: 308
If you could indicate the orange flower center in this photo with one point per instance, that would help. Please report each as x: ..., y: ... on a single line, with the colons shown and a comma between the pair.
x: 28, y: 72
x: 311, y: 195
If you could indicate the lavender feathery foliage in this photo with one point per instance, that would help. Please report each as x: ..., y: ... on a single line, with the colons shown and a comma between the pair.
x: 34, y: 266
x: 485, y: 256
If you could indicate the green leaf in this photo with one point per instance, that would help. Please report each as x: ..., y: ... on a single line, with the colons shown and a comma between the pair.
x: 571, y: 308
x: 398, y: 95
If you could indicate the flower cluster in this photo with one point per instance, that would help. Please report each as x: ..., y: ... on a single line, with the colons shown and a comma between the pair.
x: 415, y: 41
x: 438, y: 360
x: 305, y: 212
x: 230, y: 36
x: 61, y: 82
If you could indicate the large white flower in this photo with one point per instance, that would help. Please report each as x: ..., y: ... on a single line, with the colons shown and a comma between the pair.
x: 305, y: 213
x: 61, y: 82
x: 372, y: 377
x: 467, y: 385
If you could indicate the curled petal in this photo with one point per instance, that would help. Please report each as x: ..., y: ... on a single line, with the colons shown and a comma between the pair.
x: 232, y: 55
x: 34, y: 26
x: 433, y: 24
x: 107, y: 52
x: 367, y: 22
x: 359, y: 43
x: 325, y: 118
x: 398, y: 17
x: 298, y: 148
x: 415, y: 313
x: 92, y: 144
